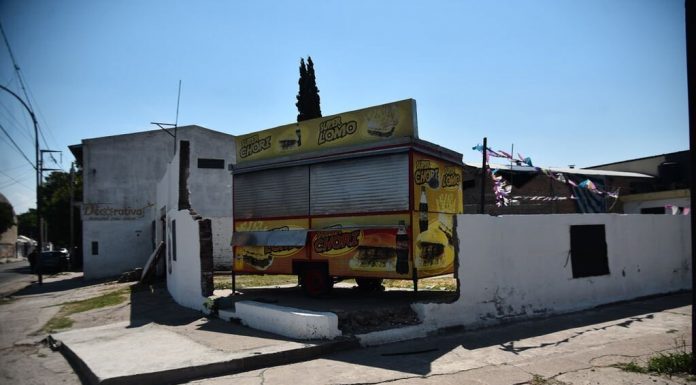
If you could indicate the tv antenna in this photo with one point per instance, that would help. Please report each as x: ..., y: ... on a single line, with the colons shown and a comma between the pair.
x: 167, y: 126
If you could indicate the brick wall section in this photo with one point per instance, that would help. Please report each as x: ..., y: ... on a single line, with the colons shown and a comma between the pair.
x: 205, y: 234
x: 184, y: 161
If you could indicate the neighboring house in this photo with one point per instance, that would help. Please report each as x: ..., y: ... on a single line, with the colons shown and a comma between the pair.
x: 120, y: 175
x: 667, y: 193
x: 547, y: 191
x: 8, y: 239
x: 25, y: 246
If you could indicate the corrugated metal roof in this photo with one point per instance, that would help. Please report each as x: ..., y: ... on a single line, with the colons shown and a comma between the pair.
x: 581, y: 171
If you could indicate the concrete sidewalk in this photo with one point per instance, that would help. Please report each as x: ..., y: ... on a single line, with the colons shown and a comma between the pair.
x: 164, y: 343
x: 160, y: 354
x: 575, y: 349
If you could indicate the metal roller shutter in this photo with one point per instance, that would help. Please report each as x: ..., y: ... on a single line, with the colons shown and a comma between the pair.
x: 360, y: 185
x: 272, y: 193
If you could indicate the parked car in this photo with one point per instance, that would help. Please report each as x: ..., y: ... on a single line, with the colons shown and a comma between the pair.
x: 51, y: 261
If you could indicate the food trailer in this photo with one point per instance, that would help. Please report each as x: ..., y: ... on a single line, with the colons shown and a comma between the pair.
x: 353, y: 195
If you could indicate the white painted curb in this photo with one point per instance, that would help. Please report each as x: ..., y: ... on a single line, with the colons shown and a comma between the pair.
x: 285, y: 321
x: 382, y: 337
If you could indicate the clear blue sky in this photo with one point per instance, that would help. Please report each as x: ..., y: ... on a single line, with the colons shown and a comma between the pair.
x: 568, y: 82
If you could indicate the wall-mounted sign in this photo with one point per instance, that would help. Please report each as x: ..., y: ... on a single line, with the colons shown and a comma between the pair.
x: 107, y: 212
x: 368, y: 125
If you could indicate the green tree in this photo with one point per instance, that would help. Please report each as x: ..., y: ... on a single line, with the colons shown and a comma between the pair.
x: 26, y: 224
x: 55, y: 199
x: 308, y: 101
x: 7, y: 217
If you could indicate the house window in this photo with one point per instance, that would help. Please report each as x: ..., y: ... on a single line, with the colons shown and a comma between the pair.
x: 588, y: 250
x: 95, y: 248
x: 653, y: 210
x: 211, y: 163
x: 174, y: 240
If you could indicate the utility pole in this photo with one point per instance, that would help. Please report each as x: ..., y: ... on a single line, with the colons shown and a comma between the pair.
x: 43, y: 226
x: 37, y: 167
x: 690, y: 16
x: 72, y: 209
x: 484, y: 166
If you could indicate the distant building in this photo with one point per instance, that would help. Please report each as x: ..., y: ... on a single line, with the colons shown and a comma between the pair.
x: 8, y: 239
x: 120, y: 177
x: 548, y: 191
x: 666, y: 193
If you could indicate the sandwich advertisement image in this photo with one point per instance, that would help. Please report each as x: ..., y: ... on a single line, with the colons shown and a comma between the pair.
x: 268, y: 259
x: 369, y: 125
x: 437, y: 194
x: 355, y: 249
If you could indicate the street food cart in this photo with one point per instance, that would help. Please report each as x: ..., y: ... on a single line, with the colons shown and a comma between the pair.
x: 353, y: 195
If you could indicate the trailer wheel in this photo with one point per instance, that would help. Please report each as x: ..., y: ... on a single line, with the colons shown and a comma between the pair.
x: 370, y: 284
x: 316, y: 281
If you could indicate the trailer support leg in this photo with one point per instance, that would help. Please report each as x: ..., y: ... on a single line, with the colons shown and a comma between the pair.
x: 234, y: 281
x: 415, y: 280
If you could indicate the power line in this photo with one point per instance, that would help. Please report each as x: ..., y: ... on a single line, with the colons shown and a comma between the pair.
x: 21, y: 80
x: 17, y: 147
x: 10, y: 116
x: 15, y: 182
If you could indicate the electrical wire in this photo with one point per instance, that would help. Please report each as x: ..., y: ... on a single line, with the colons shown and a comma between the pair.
x: 17, y: 147
x: 10, y: 116
x: 21, y: 81
x: 15, y: 181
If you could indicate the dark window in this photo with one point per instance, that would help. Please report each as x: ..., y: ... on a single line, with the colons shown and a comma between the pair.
x: 211, y: 163
x: 588, y: 250
x: 95, y: 248
x: 174, y: 240
x: 152, y: 234
x: 653, y: 210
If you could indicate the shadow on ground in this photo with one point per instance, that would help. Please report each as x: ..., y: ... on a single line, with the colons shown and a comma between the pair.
x: 419, y: 358
x: 50, y: 286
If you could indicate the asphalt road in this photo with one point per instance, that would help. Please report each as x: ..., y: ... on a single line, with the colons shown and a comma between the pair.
x: 14, y: 276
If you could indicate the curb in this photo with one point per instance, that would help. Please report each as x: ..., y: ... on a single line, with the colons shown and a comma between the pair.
x: 217, y: 369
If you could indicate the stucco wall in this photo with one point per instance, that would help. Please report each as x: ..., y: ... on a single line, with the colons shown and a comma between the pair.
x: 123, y: 172
x: 518, y: 266
x: 184, y: 276
x: 116, y: 254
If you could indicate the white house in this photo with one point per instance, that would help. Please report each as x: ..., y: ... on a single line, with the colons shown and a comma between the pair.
x: 120, y: 176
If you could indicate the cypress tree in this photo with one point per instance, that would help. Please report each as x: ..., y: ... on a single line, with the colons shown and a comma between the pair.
x: 308, y: 95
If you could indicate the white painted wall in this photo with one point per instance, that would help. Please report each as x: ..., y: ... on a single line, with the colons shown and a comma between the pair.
x: 184, y: 277
x: 514, y: 267
x: 209, y: 194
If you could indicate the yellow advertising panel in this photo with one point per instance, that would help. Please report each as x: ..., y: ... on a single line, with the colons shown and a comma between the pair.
x: 438, y: 197
x: 373, y: 124
x: 363, y: 246
x: 268, y: 259
x: 434, y: 249
x: 437, y: 185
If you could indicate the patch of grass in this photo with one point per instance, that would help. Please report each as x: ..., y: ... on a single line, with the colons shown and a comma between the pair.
x: 631, y: 367
x: 62, y: 319
x: 677, y: 362
x: 58, y: 322
x: 248, y: 281
x: 446, y: 283
x: 670, y: 363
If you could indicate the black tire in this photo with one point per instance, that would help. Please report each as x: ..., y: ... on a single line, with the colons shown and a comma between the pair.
x: 370, y: 284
